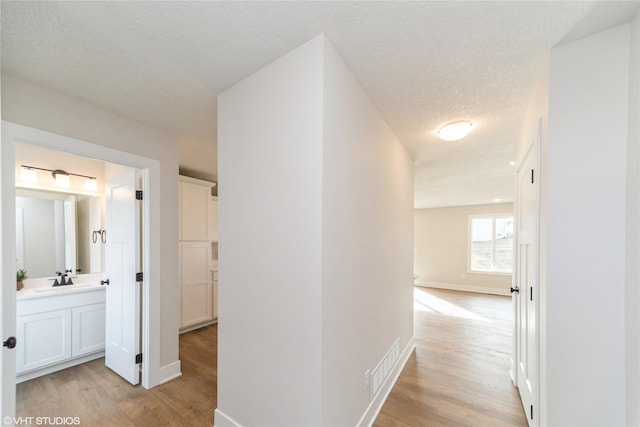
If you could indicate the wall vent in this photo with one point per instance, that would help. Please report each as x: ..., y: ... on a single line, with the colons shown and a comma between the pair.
x: 382, y: 371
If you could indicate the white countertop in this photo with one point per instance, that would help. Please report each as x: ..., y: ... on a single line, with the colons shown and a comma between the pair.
x: 35, y: 292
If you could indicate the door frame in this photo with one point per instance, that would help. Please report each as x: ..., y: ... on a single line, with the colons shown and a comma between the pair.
x: 534, y: 149
x: 149, y: 169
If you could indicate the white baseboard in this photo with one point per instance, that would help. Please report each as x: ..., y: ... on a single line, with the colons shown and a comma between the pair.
x: 222, y: 420
x: 58, y: 367
x: 465, y: 288
x: 372, y: 411
x: 375, y: 406
x: 169, y: 372
x: 198, y: 326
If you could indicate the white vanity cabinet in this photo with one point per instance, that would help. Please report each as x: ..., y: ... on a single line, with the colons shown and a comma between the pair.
x: 198, y: 227
x: 58, y: 330
x: 43, y: 339
x: 87, y: 329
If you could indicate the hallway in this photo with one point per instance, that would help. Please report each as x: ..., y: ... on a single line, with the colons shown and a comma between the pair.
x: 458, y: 376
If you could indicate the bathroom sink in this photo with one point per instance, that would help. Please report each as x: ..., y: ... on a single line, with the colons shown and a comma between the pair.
x: 64, y: 288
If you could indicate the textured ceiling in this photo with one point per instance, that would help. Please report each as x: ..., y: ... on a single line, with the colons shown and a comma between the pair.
x: 422, y: 64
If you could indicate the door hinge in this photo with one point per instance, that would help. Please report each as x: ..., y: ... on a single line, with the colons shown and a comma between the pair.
x: 531, y: 412
x: 138, y: 194
x: 139, y: 358
x: 532, y: 176
x: 139, y: 277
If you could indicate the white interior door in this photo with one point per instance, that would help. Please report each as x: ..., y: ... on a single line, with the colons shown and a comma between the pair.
x: 122, y: 332
x: 526, y: 333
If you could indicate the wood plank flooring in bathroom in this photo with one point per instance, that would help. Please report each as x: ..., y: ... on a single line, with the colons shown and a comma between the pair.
x: 101, y: 398
x: 456, y: 377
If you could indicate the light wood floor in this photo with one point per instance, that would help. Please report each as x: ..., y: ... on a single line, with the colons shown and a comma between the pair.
x: 456, y: 377
x: 458, y: 374
x: 101, y: 398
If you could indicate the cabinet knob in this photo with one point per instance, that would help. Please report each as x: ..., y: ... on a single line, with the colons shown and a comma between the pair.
x: 104, y: 282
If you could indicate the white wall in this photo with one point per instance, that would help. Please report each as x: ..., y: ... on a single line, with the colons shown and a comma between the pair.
x: 33, y: 106
x: 270, y: 230
x: 632, y: 296
x: 585, y: 231
x: 367, y: 243
x: 315, y: 218
x: 441, y: 240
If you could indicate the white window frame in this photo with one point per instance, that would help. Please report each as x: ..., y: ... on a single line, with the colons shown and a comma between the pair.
x: 493, y: 217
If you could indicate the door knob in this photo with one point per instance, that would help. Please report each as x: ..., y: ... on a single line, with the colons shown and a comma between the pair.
x: 516, y: 290
x: 104, y: 282
x: 10, y: 342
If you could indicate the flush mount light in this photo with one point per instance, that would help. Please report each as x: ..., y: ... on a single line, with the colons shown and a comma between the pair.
x: 455, y: 130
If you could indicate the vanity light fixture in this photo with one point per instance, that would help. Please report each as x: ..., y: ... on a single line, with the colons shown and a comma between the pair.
x: 28, y: 174
x: 62, y: 177
x: 455, y: 130
x: 90, y: 184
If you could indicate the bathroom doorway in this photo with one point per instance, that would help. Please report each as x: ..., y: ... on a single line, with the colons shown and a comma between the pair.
x: 12, y: 136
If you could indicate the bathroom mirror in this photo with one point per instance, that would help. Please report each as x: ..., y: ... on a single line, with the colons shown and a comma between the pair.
x: 54, y: 232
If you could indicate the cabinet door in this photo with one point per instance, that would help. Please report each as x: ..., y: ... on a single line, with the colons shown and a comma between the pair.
x: 43, y: 339
x: 196, y: 292
x: 88, y: 329
x: 194, y: 207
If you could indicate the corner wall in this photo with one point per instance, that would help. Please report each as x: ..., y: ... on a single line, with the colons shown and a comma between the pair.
x: 315, y: 216
x: 270, y: 248
x: 441, y: 239
x: 585, y: 231
x: 367, y: 240
x: 632, y: 295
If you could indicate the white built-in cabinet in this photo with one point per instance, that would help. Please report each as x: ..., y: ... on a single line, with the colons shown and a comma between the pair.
x: 196, y: 285
x: 58, y: 331
x: 198, y: 227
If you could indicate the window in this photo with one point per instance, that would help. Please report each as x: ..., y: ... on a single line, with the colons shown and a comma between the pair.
x: 491, y: 243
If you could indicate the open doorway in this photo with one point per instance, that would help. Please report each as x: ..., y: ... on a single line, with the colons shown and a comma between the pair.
x: 13, y: 135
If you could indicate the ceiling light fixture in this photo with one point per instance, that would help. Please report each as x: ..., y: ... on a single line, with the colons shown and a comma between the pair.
x: 62, y: 177
x: 455, y: 130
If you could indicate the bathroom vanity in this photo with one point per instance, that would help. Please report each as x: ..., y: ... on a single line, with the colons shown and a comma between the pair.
x: 58, y: 327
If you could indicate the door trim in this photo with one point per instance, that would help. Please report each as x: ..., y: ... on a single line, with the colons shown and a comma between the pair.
x: 534, y: 149
x: 13, y: 133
